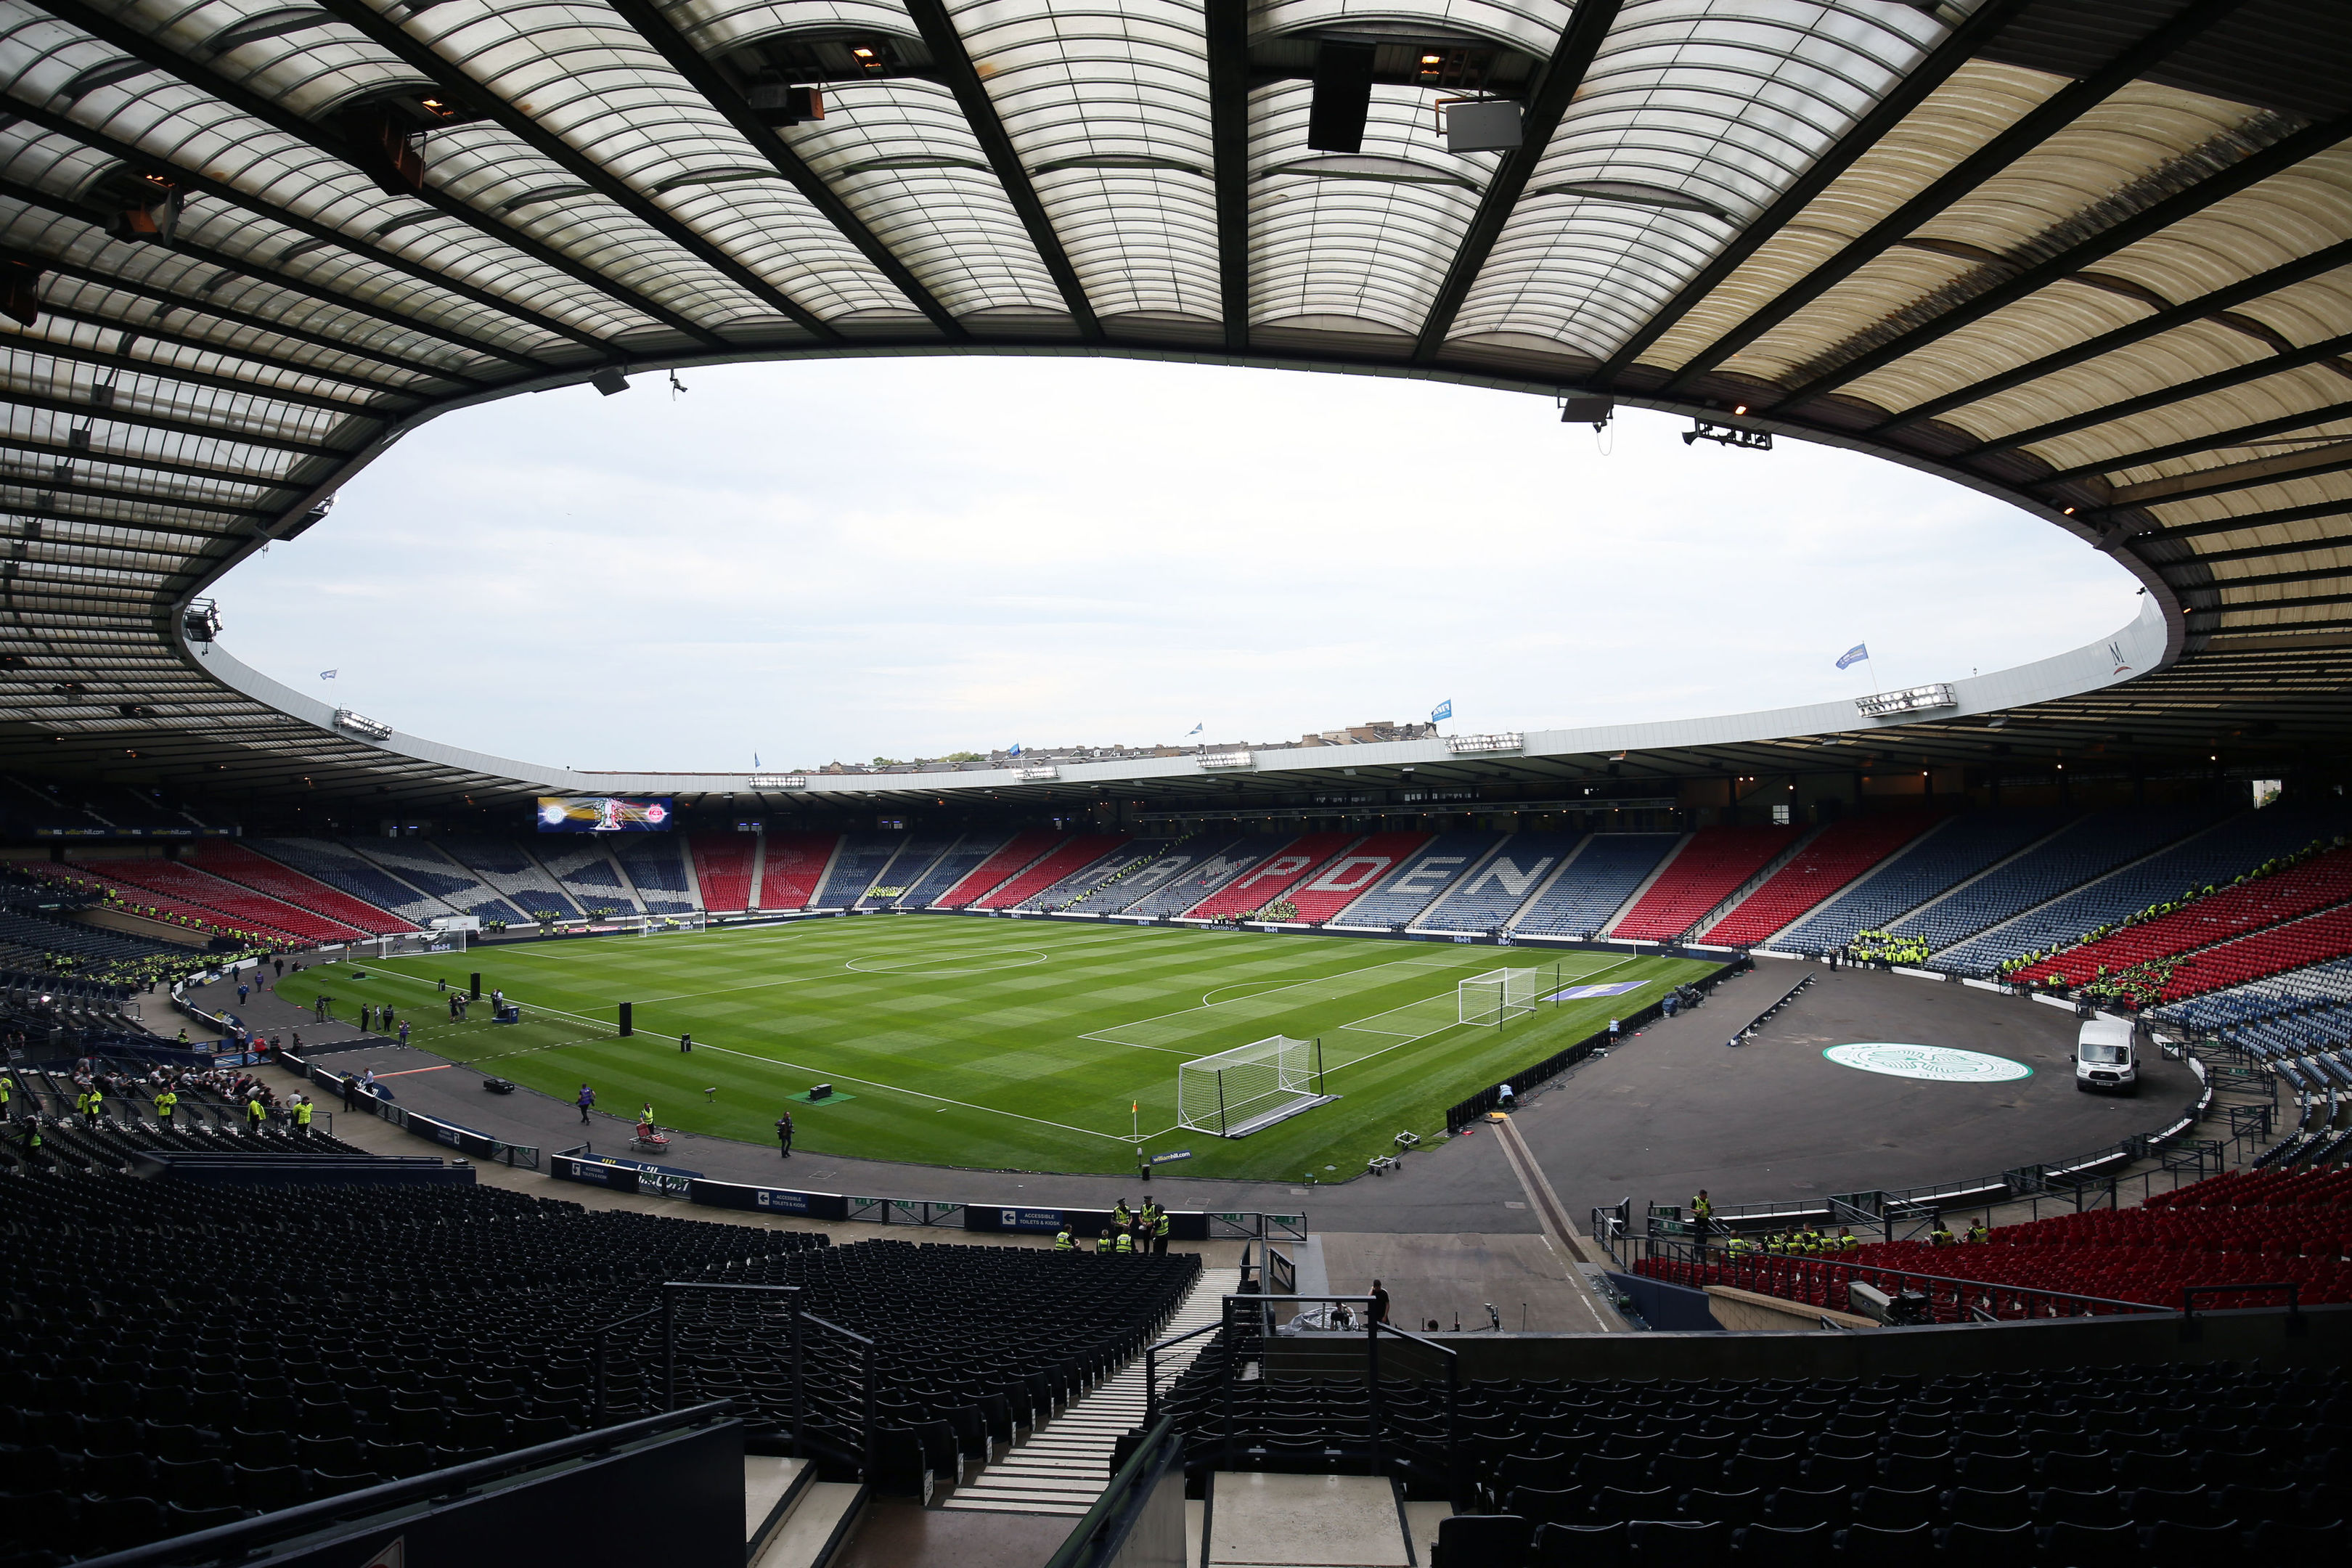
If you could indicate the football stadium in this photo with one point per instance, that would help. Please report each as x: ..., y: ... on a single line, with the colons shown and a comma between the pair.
x: 1916, y: 1124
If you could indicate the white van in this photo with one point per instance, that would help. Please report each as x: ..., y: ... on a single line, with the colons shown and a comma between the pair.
x: 2105, y: 1058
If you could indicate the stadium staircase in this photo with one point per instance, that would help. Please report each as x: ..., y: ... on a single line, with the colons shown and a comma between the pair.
x: 1713, y: 863
x: 236, y: 863
x: 791, y: 866
x: 1817, y: 870
x: 1025, y: 850
x: 1161, y: 848
x: 1064, y: 1464
x: 1325, y: 895
x: 1074, y: 854
x: 1756, y: 883
x: 1608, y: 875
x: 1274, y: 877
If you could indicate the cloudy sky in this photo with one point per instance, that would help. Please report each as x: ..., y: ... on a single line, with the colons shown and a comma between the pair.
x: 908, y: 557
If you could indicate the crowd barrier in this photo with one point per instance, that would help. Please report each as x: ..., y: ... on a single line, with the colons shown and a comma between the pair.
x: 1490, y: 1098
x: 465, y: 1140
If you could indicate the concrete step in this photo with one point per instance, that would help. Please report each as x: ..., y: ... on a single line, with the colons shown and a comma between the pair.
x: 813, y: 1530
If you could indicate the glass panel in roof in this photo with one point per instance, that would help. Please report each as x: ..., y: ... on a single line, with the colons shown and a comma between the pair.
x: 182, y: 128
x: 900, y: 152
x: 1534, y: 25
x: 1109, y: 111
x: 1370, y: 249
x: 588, y: 77
x: 1726, y: 103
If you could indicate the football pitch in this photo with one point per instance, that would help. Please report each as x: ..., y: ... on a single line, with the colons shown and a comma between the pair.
x: 1023, y: 1045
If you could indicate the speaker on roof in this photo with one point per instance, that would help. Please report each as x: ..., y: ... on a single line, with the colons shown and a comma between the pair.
x: 20, y: 292
x: 386, y: 143
x: 1343, y: 98
x: 780, y: 105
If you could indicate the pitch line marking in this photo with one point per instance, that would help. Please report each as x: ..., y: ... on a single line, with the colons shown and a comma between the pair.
x: 1285, y: 985
x: 778, y: 1061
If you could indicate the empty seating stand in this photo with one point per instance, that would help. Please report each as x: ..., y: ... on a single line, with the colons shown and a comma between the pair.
x: 1838, y: 854
x: 1338, y: 882
x: 1075, y: 854
x: 2065, y: 1468
x: 420, y: 863
x: 1267, y: 882
x: 967, y: 855
x: 860, y: 860
x: 1708, y: 869
x: 1022, y: 852
x: 199, y: 1358
x: 2083, y: 851
x: 1965, y: 847
x: 1186, y: 876
x: 791, y: 866
x: 1417, y: 880
x: 654, y: 863
x: 186, y: 889
x: 2211, y: 858
x: 1491, y: 894
x: 723, y: 864
x: 347, y: 872
x: 233, y: 862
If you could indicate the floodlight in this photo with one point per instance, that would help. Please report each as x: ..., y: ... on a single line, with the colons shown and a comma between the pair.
x: 609, y: 381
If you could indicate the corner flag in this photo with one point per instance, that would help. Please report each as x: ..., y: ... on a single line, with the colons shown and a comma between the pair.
x: 1854, y: 655
x: 1442, y: 711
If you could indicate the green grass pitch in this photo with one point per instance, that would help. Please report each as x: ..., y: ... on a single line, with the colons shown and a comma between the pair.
x: 999, y: 1044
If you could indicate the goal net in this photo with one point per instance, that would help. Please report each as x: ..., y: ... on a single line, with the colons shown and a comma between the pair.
x: 664, y: 925
x: 1235, y: 1092
x: 1497, y: 996
x: 404, y: 944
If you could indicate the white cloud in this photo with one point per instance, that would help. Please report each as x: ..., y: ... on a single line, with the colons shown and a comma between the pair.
x: 906, y: 557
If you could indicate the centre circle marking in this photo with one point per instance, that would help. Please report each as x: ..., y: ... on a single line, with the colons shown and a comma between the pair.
x: 1933, y: 1064
x: 1026, y: 956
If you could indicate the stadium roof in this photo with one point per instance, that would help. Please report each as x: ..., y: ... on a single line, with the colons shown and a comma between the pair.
x: 2091, y: 256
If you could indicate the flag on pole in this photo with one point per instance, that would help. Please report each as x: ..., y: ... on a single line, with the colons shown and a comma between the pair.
x: 1854, y: 655
x: 1013, y: 750
x: 328, y: 674
x: 755, y: 759
x: 1443, y: 711
x: 1192, y: 731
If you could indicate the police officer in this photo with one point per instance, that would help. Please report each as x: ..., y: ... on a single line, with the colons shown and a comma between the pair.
x: 1978, y: 1230
x: 7, y: 1092
x: 1738, y: 1247
x: 1160, y: 1229
x: 1062, y: 1241
x: 1941, y: 1236
x: 1847, y: 1241
x: 1124, y: 1242
x: 1702, y: 1212
x: 1120, y: 1216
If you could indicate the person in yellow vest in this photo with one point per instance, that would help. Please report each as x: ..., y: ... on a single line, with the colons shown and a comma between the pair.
x: 1160, y: 1229
x: 1062, y: 1241
x: 1124, y: 1242
x: 1978, y: 1229
x: 97, y: 1104
x: 1701, y: 1213
x: 255, y: 1114
x: 1738, y: 1247
x: 166, y: 1103
x: 1847, y: 1241
x: 303, y: 1114
x: 6, y: 1090
x: 1941, y: 1236
x: 1120, y: 1216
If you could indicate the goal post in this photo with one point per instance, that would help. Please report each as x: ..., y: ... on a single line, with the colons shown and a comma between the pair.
x: 668, y: 925
x: 408, y: 944
x: 1235, y: 1092
x: 1495, y: 997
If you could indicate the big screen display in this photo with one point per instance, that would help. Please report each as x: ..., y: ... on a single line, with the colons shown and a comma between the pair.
x: 604, y: 813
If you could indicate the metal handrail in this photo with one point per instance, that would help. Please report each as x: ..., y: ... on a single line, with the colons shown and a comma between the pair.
x: 1752, y: 1267
x: 1151, y: 1365
x: 1098, y: 1537
x: 225, y: 1542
